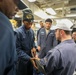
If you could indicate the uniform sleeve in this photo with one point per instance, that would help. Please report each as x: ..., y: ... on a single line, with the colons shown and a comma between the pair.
x: 38, y: 33
x: 13, y: 59
x: 20, y: 52
x: 34, y: 45
x: 39, y: 39
x: 51, y: 61
x: 7, y: 51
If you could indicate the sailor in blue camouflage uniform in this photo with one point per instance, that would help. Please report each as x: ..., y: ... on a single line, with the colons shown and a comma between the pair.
x: 61, y: 60
x: 24, y: 44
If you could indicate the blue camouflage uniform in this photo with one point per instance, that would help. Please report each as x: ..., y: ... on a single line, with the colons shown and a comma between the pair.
x: 24, y: 44
x: 61, y: 60
x: 46, y: 42
x: 7, y: 47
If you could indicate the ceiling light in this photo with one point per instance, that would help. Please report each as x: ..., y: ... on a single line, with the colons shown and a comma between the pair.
x: 31, y: 0
x: 41, y: 14
x: 50, y: 11
x: 71, y: 15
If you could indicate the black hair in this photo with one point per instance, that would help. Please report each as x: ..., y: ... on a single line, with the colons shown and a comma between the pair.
x: 67, y: 32
x: 48, y: 20
x: 26, y: 20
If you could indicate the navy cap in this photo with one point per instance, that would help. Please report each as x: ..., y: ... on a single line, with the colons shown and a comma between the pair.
x: 28, y: 15
x: 21, y: 5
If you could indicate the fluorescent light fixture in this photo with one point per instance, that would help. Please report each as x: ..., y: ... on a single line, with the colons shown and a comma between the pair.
x: 50, y: 11
x: 31, y: 0
x: 71, y: 15
x: 41, y: 14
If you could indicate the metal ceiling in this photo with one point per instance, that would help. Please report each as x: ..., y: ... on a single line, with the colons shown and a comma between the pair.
x: 61, y: 7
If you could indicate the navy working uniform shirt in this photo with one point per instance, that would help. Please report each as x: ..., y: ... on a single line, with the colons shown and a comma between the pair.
x: 46, y: 41
x: 24, y: 44
x: 61, y: 60
x: 38, y: 32
x: 7, y: 47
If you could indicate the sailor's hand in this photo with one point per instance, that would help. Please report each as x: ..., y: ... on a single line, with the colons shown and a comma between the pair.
x: 33, y: 51
x: 34, y: 63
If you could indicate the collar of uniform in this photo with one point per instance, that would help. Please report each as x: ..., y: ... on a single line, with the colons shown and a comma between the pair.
x: 47, y: 29
x: 68, y: 41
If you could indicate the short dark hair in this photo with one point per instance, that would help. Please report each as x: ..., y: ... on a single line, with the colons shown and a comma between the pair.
x: 67, y: 32
x: 48, y: 20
